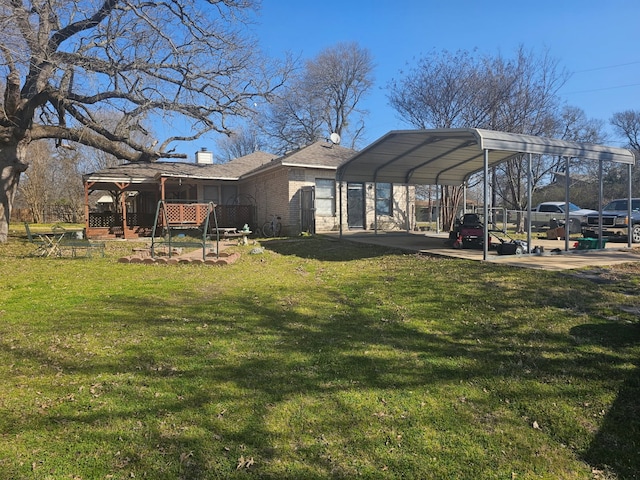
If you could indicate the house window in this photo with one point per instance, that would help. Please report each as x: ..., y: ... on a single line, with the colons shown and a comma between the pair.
x: 325, y: 197
x: 384, y: 199
x: 210, y: 193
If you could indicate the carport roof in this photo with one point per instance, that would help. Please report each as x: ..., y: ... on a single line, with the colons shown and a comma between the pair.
x: 451, y: 156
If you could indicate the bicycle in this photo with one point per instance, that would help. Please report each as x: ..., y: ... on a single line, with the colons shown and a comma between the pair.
x: 273, y: 227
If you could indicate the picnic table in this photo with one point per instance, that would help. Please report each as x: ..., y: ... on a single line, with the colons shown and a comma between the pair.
x: 232, y: 232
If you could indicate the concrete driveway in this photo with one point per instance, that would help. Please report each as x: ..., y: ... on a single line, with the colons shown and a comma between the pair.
x: 555, y: 257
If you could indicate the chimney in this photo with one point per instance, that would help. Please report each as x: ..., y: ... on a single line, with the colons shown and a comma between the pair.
x: 203, y: 157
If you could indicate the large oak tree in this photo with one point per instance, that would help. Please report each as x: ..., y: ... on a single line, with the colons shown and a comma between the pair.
x: 66, y: 64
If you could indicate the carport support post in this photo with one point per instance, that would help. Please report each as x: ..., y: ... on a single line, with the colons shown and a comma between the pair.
x: 437, y: 208
x: 600, y: 197
x: 529, y: 179
x: 567, y: 223
x: 408, y: 206
x: 464, y: 198
x: 375, y: 207
x: 340, y: 208
x: 485, y: 208
x: 629, y: 205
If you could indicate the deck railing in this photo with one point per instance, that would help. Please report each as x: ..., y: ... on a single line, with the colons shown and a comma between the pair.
x: 228, y: 216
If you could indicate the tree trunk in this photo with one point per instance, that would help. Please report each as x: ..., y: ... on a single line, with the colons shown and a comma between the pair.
x: 12, y: 164
x: 450, y: 201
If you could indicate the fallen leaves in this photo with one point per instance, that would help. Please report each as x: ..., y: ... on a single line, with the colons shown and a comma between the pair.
x: 245, y: 462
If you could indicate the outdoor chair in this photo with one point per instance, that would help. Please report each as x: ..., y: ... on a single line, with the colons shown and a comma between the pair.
x: 41, y: 246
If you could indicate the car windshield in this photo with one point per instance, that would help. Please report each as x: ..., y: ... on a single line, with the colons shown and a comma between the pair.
x: 573, y: 207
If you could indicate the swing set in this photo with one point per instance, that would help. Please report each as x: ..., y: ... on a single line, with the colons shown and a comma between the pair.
x: 185, y: 225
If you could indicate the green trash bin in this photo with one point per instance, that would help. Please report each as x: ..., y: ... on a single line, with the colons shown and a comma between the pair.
x: 590, y: 243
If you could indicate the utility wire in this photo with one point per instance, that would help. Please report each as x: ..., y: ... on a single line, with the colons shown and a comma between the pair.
x: 602, y: 89
x: 591, y: 90
x: 607, y: 67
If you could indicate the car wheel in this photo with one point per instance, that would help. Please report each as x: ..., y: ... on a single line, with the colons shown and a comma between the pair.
x: 635, y: 234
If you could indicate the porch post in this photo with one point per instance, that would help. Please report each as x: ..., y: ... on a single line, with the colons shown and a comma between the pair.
x: 86, y: 209
x: 123, y: 209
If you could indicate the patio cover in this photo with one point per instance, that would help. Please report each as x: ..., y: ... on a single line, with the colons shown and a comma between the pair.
x: 451, y: 156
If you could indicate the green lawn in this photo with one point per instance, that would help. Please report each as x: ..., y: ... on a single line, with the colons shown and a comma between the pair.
x: 315, y: 359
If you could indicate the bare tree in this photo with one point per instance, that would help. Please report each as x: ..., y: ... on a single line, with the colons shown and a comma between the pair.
x: 53, y: 180
x: 294, y: 120
x: 441, y: 91
x: 627, y: 125
x: 438, y: 92
x: 528, y: 102
x: 92, y: 160
x: 37, y: 188
x: 241, y: 142
x: 63, y: 62
x: 69, y: 191
x: 517, y: 94
x: 324, y: 98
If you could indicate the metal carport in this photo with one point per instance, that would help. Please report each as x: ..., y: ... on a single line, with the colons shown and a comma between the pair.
x: 452, y: 156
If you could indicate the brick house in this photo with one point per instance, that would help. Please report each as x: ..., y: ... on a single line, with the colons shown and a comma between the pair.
x: 299, y: 186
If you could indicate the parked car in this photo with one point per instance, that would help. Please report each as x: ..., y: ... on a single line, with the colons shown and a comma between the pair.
x: 546, y: 213
x: 615, y: 220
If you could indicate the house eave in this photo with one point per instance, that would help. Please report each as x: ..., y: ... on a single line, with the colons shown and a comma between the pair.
x: 303, y: 165
x: 195, y: 177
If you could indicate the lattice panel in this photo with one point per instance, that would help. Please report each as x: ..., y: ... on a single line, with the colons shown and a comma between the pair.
x: 186, y: 214
x: 235, y: 215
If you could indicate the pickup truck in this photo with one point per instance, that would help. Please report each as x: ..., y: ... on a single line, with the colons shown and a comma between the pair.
x: 615, y: 220
x: 545, y: 212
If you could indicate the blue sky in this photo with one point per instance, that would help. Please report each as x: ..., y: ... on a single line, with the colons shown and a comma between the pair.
x: 596, y: 41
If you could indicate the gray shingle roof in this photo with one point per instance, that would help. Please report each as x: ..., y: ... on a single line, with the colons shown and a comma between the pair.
x: 142, y: 172
x: 319, y: 155
x: 323, y: 154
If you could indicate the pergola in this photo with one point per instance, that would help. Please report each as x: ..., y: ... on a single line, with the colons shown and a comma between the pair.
x: 452, y: 156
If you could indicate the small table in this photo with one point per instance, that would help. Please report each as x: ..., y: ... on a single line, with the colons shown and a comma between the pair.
x: 51, y: 242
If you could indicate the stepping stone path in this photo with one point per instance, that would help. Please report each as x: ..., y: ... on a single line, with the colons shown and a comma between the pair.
x: 194, y: 257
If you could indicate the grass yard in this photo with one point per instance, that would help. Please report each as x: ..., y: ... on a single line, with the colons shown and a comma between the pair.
x: 315, y: 359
